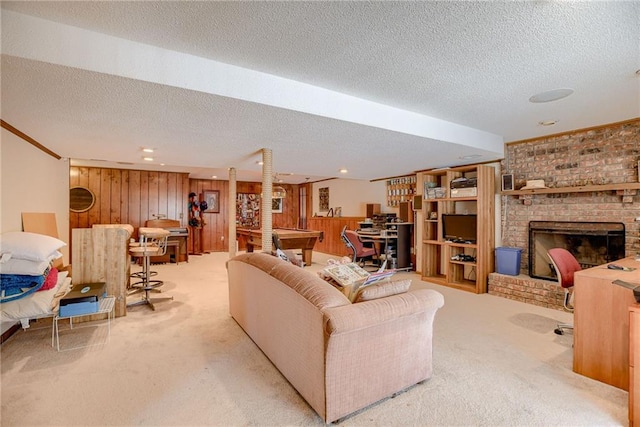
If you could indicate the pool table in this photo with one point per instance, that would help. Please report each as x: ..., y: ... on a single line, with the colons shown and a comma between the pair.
x: 290, y: 238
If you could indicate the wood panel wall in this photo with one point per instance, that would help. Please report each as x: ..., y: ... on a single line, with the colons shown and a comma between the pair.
x: 129, y: 196
x: 133, y: 197
x: 332, y: 227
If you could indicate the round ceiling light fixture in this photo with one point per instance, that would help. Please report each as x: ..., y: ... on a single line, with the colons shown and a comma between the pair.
x: 551, y: 95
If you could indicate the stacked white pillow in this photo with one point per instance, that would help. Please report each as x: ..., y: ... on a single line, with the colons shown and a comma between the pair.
x: 28, y: 253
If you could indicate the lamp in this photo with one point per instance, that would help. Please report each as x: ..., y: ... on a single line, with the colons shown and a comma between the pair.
x: 279, y: 192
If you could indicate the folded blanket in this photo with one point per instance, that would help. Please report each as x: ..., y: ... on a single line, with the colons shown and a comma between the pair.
x: 16, y: 286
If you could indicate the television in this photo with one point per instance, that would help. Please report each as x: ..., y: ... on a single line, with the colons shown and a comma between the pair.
x: 460, y: 227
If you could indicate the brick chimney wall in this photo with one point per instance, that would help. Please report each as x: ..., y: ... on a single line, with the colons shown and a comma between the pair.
x: 605, y: 155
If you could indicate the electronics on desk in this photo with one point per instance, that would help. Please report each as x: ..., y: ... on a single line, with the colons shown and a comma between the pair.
x: 460, y: 228
x: 371, y: 231
x: 463, y: 182
x: 82, y: 299
x: 464, y: 187
x: 464, y: 192
x: 379, y: 220
x: 464, y: 258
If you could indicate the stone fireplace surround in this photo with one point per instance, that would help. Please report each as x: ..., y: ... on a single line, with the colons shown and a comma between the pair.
x: 603, y: 155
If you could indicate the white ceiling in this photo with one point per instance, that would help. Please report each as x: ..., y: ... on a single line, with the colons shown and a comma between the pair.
x: 380, y: 88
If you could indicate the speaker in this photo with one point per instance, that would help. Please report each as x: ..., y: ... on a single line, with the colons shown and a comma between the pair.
x: 507, y: 182
x: 417, y: 202
x: 372, y: 209
x: 404, y: 211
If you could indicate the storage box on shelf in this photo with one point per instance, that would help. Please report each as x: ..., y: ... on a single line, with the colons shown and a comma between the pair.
x: 400, y: 190
x: 459, y: 264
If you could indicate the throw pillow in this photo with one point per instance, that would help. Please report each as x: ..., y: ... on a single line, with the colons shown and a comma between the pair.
x: 381, y: 290
x: 51, y: 281
x: 31, y: 246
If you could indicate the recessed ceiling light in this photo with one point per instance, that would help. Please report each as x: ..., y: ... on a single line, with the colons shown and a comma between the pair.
x: 470, y: 156
x: 214, y: 176
x: 148, y: 150
x: 343, y: 170
x: 260, y: 162
x: 547, y: 122
x: 161, y: 164
x: 148, y: 159
x: 551, y: 95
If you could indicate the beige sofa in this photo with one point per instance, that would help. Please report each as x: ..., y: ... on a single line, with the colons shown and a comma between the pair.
x: 340, y: 356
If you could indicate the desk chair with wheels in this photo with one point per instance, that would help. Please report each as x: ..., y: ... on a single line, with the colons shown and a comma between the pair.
x: 361, y: 253
x: 565, y: 265
x: 153, y: 242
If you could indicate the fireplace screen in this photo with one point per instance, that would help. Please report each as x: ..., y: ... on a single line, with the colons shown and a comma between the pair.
x: 592, y: 243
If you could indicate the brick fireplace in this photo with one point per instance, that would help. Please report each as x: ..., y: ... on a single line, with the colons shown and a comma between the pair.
x: 592, y: 243
x: 602, y: 156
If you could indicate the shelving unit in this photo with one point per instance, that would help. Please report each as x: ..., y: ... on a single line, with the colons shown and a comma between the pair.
x: 400, y: 190
x: 437, y: 265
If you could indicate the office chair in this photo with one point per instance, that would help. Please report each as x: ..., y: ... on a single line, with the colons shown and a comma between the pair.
x: 565, y: 265
x: 360, y: 252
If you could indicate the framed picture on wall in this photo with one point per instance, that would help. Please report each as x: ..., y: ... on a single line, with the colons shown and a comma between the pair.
x: 323, y: 199
x: 276, y: 205
x: 212, y: 197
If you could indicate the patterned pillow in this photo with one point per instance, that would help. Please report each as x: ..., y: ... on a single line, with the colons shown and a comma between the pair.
x: 381, y: 290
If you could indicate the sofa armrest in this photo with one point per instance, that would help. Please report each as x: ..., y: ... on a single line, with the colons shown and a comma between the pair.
x: 371, y: 313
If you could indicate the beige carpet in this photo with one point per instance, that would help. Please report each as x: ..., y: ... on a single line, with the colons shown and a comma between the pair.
x: 496, y: 362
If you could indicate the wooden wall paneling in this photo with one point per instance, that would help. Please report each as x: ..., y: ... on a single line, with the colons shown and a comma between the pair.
x: 163, y: 202
x: 115, y: 216
x: 74, y: 181
x: 124, y: 198
x: 144, y: 199
x: 105, y: 196
x: 172, y: 196
x: 332, y: 227
x: 154, y: 197
x: 134, y: 200
x: 93, y: 180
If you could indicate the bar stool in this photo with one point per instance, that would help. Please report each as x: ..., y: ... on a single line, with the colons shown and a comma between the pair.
x: 153, y: 242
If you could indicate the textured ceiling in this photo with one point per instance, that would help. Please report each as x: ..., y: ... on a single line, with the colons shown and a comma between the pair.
x: 379, y: 88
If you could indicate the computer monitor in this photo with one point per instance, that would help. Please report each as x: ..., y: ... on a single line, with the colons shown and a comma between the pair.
x: 460, y: 227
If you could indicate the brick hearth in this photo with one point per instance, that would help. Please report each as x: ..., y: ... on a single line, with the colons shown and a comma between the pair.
x: 526, y: 289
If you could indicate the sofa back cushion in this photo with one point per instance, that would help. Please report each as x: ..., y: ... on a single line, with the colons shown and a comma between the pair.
x: 308, y: 285
x: 381, y: 290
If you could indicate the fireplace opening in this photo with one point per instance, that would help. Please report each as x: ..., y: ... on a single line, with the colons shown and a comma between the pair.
x: 592, y: 243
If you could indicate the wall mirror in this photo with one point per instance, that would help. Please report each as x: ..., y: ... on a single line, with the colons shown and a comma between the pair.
x: 81, y: 199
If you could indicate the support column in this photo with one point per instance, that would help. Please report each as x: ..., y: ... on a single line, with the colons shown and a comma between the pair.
x: 266, y: 222
x: 232, y: 212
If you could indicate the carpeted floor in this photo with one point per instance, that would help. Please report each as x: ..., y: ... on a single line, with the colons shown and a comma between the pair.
x: 496, y: 363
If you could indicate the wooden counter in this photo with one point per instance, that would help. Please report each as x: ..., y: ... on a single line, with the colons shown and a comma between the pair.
x: 601, y: 322
x: 332, y: 226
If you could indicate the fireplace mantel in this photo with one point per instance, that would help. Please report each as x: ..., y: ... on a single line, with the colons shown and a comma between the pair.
x: 577, y: 189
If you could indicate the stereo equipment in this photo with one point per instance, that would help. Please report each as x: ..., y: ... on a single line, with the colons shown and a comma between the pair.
x: 463, y: 182
x: 464, y: 192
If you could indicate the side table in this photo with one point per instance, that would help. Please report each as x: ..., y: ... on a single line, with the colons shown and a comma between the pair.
x: 105, y: 306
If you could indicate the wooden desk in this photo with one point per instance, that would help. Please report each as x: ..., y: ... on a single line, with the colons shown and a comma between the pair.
x: 601, y: 322
x: 290, y: 238
x: 634, y: 365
